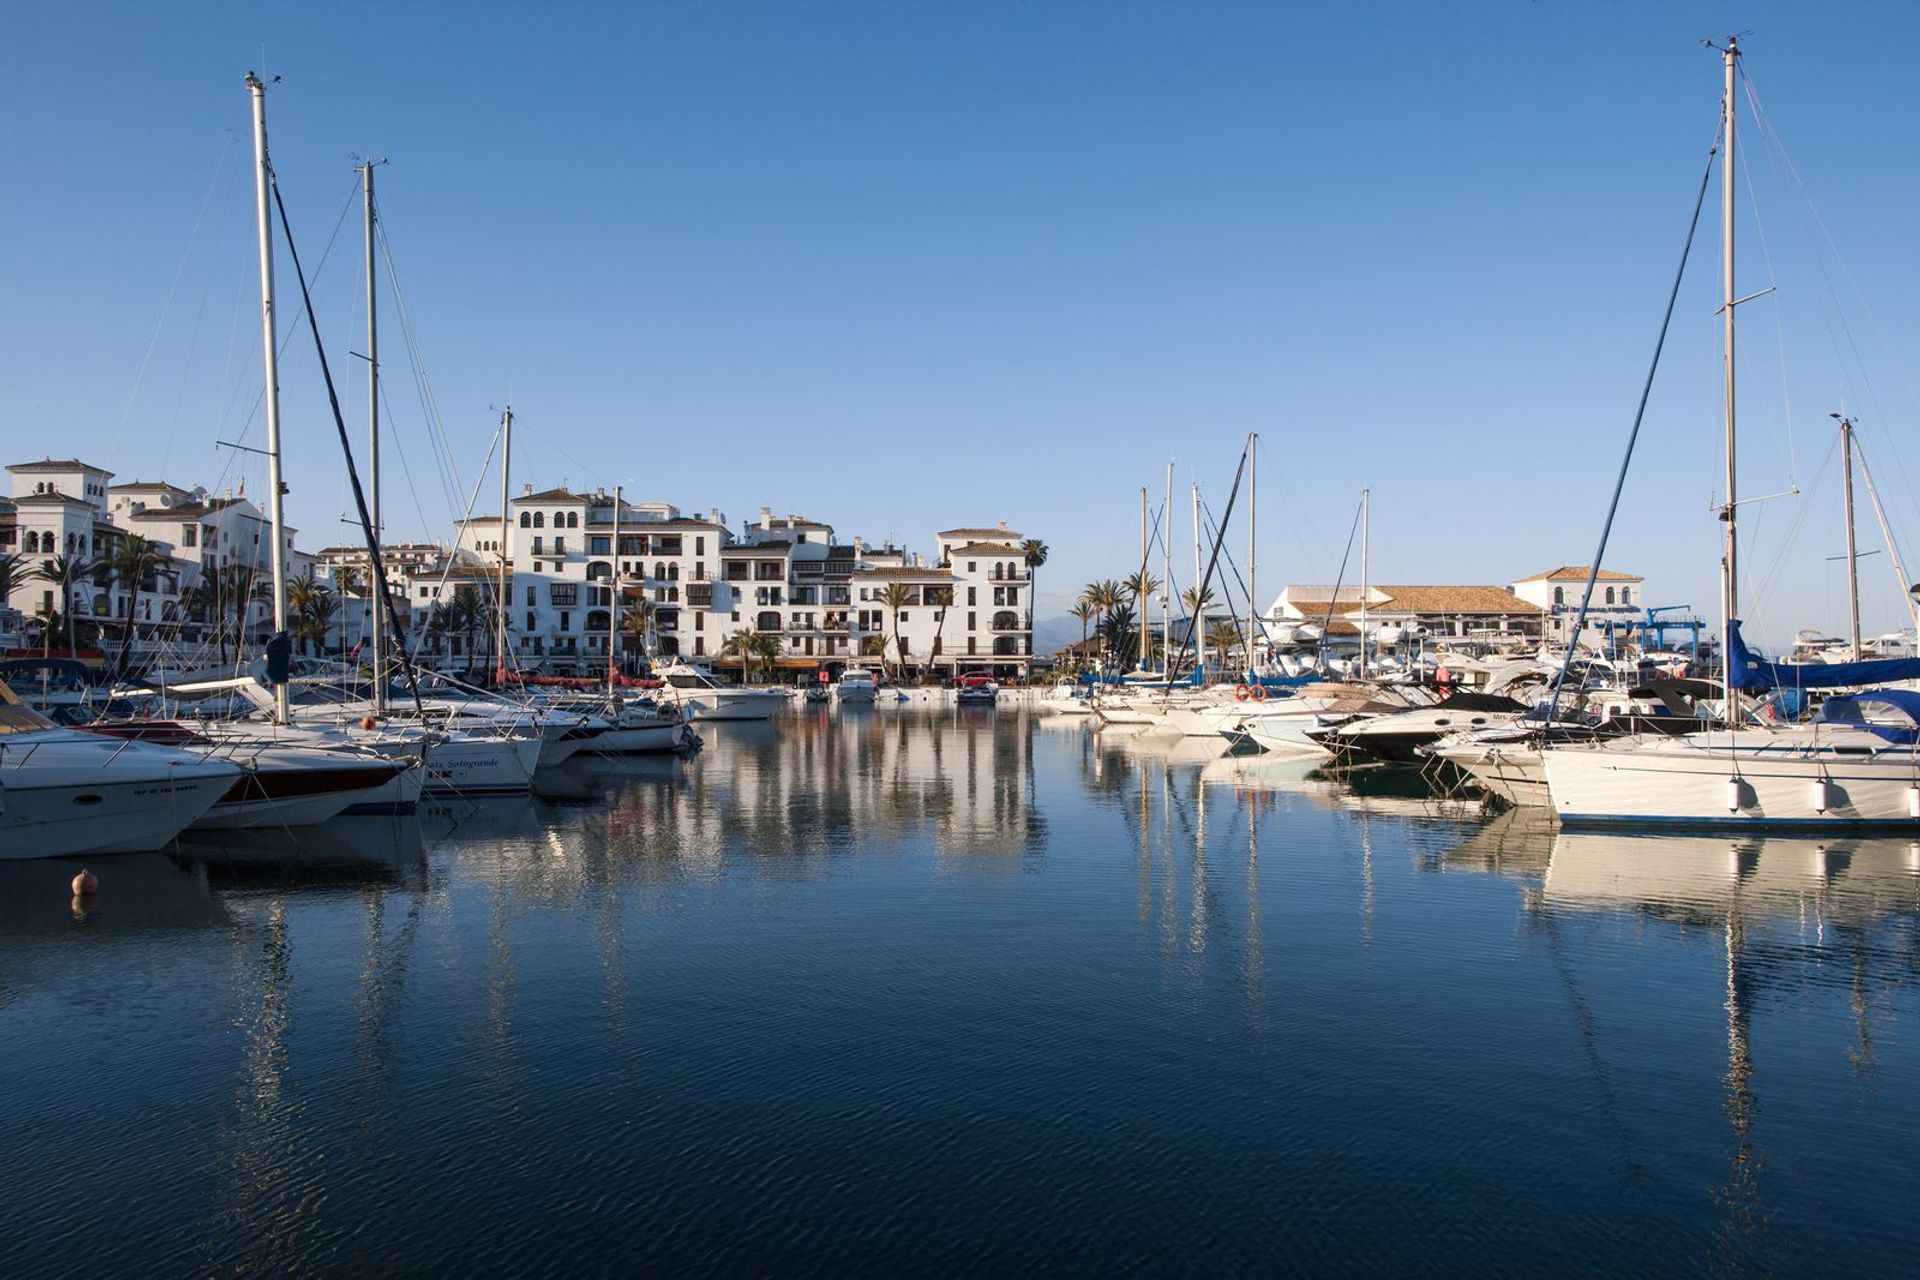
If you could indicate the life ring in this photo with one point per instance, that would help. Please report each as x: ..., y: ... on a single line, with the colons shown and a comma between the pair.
x: 1241, y: 693
x: 1259, y: 693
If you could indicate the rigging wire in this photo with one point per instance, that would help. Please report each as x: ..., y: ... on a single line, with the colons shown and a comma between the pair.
x: 1633, y: 436
x: 179, y: 273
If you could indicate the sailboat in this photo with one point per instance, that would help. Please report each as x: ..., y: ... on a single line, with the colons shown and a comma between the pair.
x: 1856, y: 764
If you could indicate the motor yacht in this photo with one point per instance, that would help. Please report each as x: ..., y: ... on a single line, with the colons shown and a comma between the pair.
x: 706, y: 698
x: 67, y: 793
x: 856, y: 687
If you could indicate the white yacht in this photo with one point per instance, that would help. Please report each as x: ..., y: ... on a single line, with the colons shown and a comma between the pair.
x: 706, y: 698
x: 66, y: 793
x: 856, y: 687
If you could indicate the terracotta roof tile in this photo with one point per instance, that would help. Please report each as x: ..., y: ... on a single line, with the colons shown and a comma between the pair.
x: 1578, y: 573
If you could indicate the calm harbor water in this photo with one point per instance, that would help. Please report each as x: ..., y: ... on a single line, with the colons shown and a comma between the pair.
x: 963, y: 991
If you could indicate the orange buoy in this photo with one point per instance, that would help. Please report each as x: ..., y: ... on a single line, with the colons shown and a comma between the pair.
x: 1241, y: 693
x: 85, y: 883
x: 367, y: 721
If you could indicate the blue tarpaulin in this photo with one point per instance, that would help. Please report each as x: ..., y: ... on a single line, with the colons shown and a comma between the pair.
x: 1745, y: 670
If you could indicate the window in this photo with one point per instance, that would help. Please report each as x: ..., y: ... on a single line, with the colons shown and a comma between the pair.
x: 188, y: 532
x: 573, y: 519
x: 599, y: 545
x: 566, y: 620
x: 973, y: 595
x: 531, y: 624
x: 564, y: 594
x: 539, y: 546
x: 424, y: 592
x: 529, y: 599
x: 699, y: 546
x: 1559, y: 595
x: 800, y: 537
x: 973, y: 566
x: 559, y: 546
x: 1609, y: 595
x: 1626, y: 595
x: 539, y: 519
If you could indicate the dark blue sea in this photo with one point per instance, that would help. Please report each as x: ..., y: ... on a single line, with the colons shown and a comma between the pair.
x: 958, y: 992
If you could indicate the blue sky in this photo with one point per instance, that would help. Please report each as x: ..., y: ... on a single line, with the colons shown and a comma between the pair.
x: 910, y: 266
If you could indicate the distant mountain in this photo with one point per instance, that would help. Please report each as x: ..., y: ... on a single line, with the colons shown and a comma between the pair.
x: 1050, y: 634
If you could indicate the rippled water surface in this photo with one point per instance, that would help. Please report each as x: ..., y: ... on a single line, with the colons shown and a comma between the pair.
x: 962, y: 992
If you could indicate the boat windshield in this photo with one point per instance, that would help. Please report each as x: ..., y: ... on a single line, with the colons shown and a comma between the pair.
x: 17, y: 717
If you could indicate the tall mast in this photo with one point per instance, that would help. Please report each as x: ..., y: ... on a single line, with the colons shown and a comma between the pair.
x: 1366, y: 565
x: 1196, y: 626
x: 373, y: 435
x: 1253, y: 558
x: 613, y: 613
x: 262, y: 180
x: 1142, y: 605
x: 506, y: 535
x: 1893, y: 550
x: 1853, y: 555
x: 1166, y: 574
x: 1730, y: 573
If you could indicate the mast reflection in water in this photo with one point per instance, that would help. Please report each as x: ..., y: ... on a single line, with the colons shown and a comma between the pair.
x: 889, y: 989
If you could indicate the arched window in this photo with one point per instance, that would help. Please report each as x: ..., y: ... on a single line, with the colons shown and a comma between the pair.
x: 599, y: 569
x: 1559, y: 595
x: 769, y: 622
x: 673, y: 573
x: 660, y: 569
x: 598, y: 621
x: 539, y: 519
x: 1609, y: 595
x: 526, y: 520
x: 1626, y: 595
x: 573, y: 519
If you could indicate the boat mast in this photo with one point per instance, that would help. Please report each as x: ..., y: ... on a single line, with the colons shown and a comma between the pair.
x: 1853, y: 554
x: 262, y: 180
x: 613, y: 613
x: 1143, y: 606
x: 506, y: 525
x: 1166, y: 574
x: 373, y: 434
x: 1253, y: 556
x: 1886, y: 536
x: 1196, y: 625
x: 1730, y: 567
x: 1366, y: 565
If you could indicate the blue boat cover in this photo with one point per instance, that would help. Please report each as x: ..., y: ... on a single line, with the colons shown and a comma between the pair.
x: 1747, y: 671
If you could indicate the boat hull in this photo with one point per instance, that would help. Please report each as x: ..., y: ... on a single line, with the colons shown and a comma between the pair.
x: 1598, y: 786
x: 74, y: 816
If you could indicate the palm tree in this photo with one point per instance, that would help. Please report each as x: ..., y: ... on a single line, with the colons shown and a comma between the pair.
x: 1197, y: 603
x: 1083, y: 609
x: 1223, y: 636
x: 1142, y: 587
x: 132, y: 563
x: 1105, y: 596
x: 317, y: 620
x: 747, y: 644
x: 1034, y: 552
x: 13, y: 571
x: 66, y: 573
x: 465, y: 612
x: 896, y: 596
x: 234, y: 594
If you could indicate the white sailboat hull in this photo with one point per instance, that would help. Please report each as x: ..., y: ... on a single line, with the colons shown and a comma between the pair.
x: 1686, y: 781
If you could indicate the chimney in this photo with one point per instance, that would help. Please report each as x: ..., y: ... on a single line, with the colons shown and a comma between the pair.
x: 1003, y: 525
x: 526, y: 490
x: 859, y: 550
x: 766, y: 518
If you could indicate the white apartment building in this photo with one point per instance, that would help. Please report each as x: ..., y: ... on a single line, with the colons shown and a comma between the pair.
x: 71, y: 508
x: 702, y: 583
